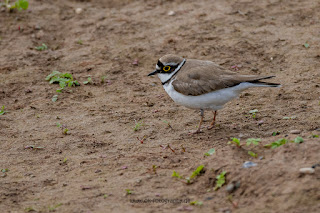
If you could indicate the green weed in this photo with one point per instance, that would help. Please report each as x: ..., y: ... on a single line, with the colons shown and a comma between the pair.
x: 252, y: 154
x: 53, y: 208
x: 63, y: 79
x: 19, y: 5
x: 253, y: 112
x: 88, y: 81
x: 254, y: 141
x: 277, y: 143
x: 210, y: 152
x: 196, y: 203
x: 220, y: 180
x: 137, y: 125
x: 235, y: 141
x: 2, y: 111
x: 42, y: 47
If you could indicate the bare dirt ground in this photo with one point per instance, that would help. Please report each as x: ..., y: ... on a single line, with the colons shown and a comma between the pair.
x: 90, y: 168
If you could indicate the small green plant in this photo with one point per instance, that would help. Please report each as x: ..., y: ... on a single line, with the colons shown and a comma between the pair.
x: 210, y: 152
x: 103, y: 78
x: 298, y: 139
x: 2, y: 111
x: 277, y: 143
x: 42, y: 47
x: 235, y: 141
x: 196, y: 203
x: 314, y: 136
x: 197, y: 172
x: 29, y: 209
x: 129, y: 191
x: 220, y: 180
x: 253, y: 112
x: 176, y: 174
x: 65, y: 160
x: 252, y: 154
x: 53, y: 208
x: 306, y: 45
x: 80, y: 42
x: 137, y: 125
x: 19, y: 5
x: 65, y: 130
x: 254, y: 141
x: 194, y: 174
x: 276, y: 133
x: 63, y: 79
x: 168, y: 124
x: 4, y: 170
x: 88, y: 81
x: 54, y: 98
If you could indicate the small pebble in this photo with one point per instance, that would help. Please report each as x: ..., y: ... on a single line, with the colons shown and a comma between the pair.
x: 79, y: 10
x: 171, y: 13
x: 248, y: 164
x: 230, y: 187
x: 135, y: 62
x: 295, y: 131
x: 39, y: 34
x: 306, y: 170
x: 260, y: 122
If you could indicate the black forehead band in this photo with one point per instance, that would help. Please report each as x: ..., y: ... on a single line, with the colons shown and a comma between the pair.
x: 160, y: 64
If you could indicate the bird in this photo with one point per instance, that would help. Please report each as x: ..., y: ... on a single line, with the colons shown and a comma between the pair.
x: 203, y: 85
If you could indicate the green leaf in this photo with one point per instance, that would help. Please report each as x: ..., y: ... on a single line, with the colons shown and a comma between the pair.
x: 315, y: 136
x: 220, y: 180
x: 210, y: 152
x: 298, y: 139
x: 196, y: 203
x: 21, y: 4
x: 235, y: 141
x: 176, y: 174
x: 197, y: 171
x: 42, y: 47
x: 62, y: 84
x: 306, y: 45
x: 277, y: 143
x: 2, y: 111
x: 275, y: 133
x: 54, y: 98
x: 252, y: 154
x: 54, y: 73
x: 254, y: 141
x: 129, y: 191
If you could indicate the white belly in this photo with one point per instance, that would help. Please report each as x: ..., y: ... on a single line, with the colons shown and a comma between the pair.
x: 213, y: 100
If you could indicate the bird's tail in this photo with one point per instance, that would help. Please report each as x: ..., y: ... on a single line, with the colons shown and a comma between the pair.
x: 260, y: 83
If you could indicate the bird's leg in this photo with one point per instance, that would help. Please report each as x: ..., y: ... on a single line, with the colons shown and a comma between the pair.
x: 213, y: 121
x: 201, y: 119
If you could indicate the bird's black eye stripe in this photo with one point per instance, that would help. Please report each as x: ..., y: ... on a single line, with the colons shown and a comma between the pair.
x: 160, y: 64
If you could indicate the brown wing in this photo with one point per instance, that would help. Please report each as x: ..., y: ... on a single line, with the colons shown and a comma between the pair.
x: 200, y: 77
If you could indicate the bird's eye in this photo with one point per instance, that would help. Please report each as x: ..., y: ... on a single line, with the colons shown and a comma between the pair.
x: 166, y: 68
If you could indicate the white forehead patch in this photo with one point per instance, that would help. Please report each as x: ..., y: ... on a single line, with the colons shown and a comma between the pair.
x: 170, y: 64
x: 157, y: 67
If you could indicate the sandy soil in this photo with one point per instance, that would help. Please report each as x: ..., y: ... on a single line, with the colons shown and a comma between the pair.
x: 90, y: 168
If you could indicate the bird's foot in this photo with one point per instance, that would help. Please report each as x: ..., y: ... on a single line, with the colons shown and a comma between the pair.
x: 210, y: 127
x: 195, y: 132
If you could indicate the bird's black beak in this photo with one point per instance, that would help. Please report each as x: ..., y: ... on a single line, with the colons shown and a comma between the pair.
x: 153, y: 73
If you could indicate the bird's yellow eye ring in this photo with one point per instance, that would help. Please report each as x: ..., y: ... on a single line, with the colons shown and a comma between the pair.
x: 166, y: 68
